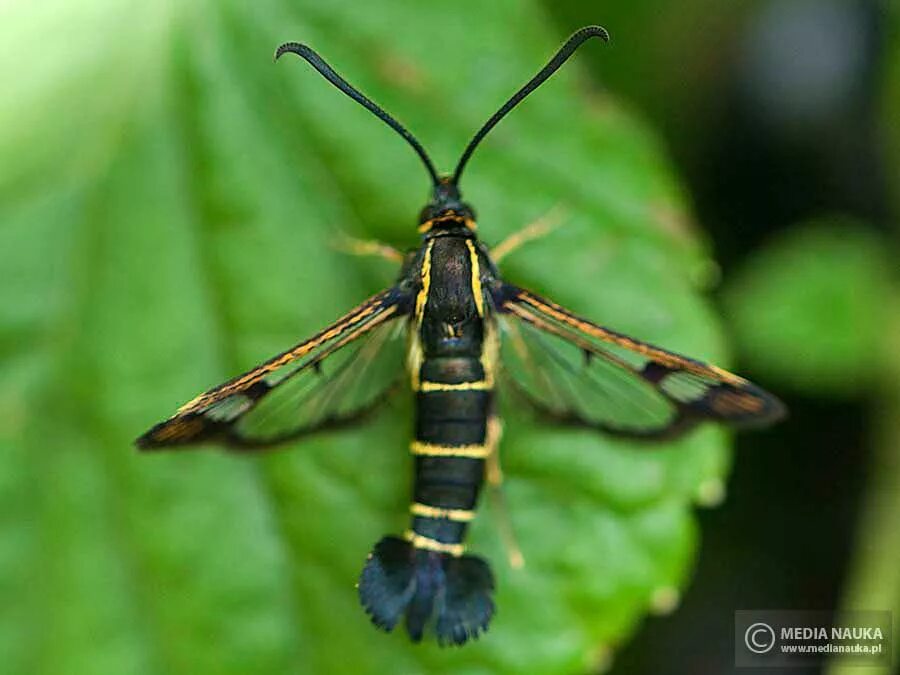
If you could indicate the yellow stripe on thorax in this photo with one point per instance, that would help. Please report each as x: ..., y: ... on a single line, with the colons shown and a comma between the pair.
x: 422, y: 297
x: 476, y: 278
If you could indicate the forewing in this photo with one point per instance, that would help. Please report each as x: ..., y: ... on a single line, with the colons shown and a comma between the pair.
x: 575, y: 372
x: 331, y: 380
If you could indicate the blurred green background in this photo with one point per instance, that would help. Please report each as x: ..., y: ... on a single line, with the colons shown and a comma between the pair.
x: 169, y: 204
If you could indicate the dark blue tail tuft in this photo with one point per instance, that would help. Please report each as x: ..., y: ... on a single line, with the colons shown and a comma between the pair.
x: 451, y: 595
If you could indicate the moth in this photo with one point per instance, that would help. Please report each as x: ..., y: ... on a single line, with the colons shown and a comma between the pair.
x: 463, y: 332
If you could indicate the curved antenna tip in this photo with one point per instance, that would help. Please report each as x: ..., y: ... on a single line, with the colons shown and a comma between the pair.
x: 310, y: 56
x: 598, y: 31
x: 562, y: 55
x: 293, y: 47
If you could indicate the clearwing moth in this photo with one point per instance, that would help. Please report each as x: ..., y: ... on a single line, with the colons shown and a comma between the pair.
x: 463, y: 332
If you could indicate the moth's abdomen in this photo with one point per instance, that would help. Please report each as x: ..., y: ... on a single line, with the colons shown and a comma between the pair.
x: 426, y: 576
x: 449, y: 450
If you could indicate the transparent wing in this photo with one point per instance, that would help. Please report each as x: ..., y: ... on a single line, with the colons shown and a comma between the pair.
x: 575, y: 372
x: 332, y: 380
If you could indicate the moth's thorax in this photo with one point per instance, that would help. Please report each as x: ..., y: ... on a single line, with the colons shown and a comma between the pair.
x: 451, y: 317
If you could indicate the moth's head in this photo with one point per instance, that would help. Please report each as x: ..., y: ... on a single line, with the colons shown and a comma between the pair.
x: 446, y: 209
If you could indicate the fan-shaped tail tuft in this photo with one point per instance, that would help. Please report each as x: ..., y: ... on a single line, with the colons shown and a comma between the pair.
x: 450, y: 595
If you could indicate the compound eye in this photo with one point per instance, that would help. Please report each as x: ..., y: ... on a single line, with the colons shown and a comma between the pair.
x: 426, y: 214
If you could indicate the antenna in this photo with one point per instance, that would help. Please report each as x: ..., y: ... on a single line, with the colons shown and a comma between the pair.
x: 561, y: 56
x: 328, y: 73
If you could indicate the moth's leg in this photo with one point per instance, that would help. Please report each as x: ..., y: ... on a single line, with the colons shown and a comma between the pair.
x: 494, y: 477
x: 367, y: 247
x: 539, y: 228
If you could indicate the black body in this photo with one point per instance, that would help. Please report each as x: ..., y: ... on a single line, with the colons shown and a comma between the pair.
x: 451, y: 373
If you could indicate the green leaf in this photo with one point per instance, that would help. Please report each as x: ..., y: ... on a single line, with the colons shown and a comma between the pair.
x: 169, y: 201
x: 808, y: 309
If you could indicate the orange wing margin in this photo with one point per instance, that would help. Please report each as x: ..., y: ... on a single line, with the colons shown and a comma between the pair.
x: 219, y: 413
x: 576, y: 372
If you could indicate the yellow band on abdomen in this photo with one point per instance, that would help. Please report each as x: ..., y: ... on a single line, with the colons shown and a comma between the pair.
x: 429, y: 544
x: 427, y: 511
x: 433, y: 450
